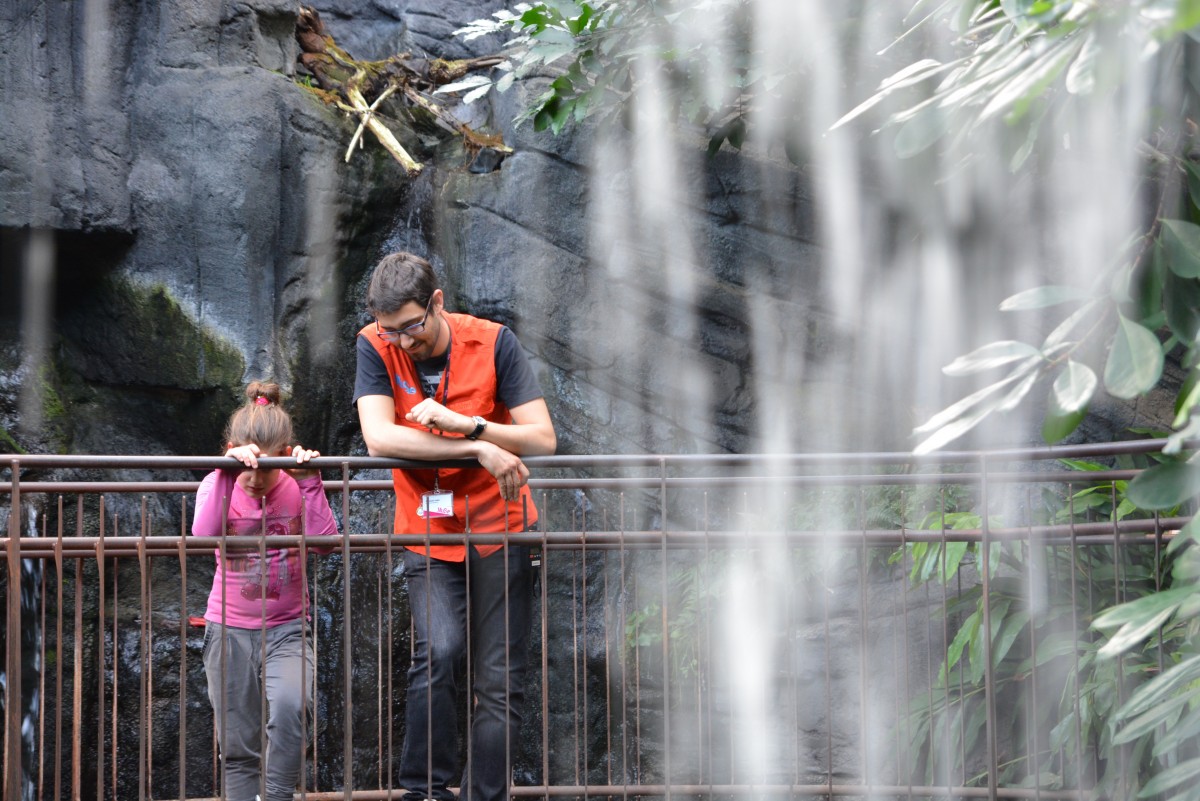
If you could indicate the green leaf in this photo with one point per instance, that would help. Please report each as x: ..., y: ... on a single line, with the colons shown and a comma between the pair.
x: 1181, y: 245
x: 1138, y: 612
x: 959, y: 418
x: 1188, y: 533
x: 995, y: 354
x: 1145, y: 289
x: 1135, y: 360
x: 1013, y: 625
x: 1081, y: 77
x: 1179, y: 774
x: 1181, y: 302
x: 1132, y: 634
x: 1187, y: 398
x: 965, y: 634
x: 1041, y: 297
x: 1165, y: 713
x: 1032, y: 80
x: 921, y: 131
x: 1193, y: 179
x: 1074, y: 387
x: 1166, y: 485
x: 1069, y: 398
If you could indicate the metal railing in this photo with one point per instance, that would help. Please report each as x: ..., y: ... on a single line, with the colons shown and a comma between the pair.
x: 707, y: 625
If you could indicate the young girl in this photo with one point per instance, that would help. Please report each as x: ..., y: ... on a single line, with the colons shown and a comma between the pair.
x: 258, y: 603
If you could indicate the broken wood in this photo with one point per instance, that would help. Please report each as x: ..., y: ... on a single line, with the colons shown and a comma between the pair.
x: 348, y: 83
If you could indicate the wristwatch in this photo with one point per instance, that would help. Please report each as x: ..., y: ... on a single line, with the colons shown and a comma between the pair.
x: 480, y: 425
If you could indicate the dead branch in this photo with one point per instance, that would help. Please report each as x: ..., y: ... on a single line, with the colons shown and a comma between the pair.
x: 349, y: 83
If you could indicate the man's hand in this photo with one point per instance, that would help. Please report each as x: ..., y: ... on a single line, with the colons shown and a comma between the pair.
x: 435, y: 416
x: 509, y: 471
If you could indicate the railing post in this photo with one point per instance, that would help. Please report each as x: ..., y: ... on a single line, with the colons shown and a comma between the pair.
x: 12, y: 643
x: 989, y: 672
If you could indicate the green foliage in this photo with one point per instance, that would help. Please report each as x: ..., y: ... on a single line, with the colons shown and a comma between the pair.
x: 600, y: 55
x: 1020, y: 61
x: 694, y: 590
x: 1056, y: 690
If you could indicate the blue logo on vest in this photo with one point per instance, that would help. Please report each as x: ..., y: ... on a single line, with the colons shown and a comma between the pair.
x: 408, y: 390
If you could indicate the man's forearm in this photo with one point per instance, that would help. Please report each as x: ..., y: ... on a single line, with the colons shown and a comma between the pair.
x: 401, y: 442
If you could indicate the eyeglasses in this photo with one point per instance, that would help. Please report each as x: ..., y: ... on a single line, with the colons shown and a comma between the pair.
x: 408, y: 330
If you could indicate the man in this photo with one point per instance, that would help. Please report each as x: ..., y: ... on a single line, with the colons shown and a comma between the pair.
x: 435, y: 386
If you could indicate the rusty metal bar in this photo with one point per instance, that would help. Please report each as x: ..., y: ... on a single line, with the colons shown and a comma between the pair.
x: 652, y: 551
x: 12, y: 642
x: 631, y: 482
x: 654, y: 461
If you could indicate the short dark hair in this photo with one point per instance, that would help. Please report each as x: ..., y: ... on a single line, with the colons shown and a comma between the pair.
x: 400, y: 278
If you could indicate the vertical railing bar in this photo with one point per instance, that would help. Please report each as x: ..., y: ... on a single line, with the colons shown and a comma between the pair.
x: 347, y: 650
x: 945, y: 645
x: 58, y: 663
x: 583, y: 554
x: 391, y: 699
x: 666, y: 638
x: 826, y: 592
x: 1075, y: 629
x: 306, y: 698
x: 220, y: 780
x: 470, y: 707
x: 1158, y: 540
x: 264, y: 578
x: 506, y: 555
x: 624, y: 650
x: 637, y: 671
x: 962, y: 722
x: 100, y: 660
x: 77, y: 678
x: 144, y: 715
x: 1034, y: 561
x: 576, y: 756
x: 545, y: 658
x: 863, y: 634
x: 183, y: 646
x: 12, y: 642
x: 903, y: 634
x: 989, y: 676
x: 149, y: 667
x: 708, y: 647
x: 40, y: 754
x: 316, y: 639
x: 379, y: 710
x: 116, y: 662
x: 608, y: 709
x: 1119, y: 579
x: 790, y: 554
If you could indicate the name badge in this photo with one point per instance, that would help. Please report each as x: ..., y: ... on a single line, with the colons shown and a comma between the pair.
x: 436, y: 504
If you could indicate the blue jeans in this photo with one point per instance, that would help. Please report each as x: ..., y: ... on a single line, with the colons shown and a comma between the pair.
x: 495, y: 596
x: 287, y: 677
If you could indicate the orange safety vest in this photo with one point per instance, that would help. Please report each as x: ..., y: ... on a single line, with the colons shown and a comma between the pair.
x: 468, y: 387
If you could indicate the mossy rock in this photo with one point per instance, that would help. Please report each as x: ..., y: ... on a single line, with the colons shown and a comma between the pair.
x: 140, y: 336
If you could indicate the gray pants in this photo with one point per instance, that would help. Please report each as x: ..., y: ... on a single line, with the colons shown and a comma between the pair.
x: 238, y: 714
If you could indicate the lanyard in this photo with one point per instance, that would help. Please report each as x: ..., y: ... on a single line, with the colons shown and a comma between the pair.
x: 444, y: 387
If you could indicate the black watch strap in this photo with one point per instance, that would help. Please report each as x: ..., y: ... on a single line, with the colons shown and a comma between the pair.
x: 480, y: 425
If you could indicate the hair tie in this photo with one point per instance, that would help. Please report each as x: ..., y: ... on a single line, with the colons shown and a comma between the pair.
x: 261, y: 400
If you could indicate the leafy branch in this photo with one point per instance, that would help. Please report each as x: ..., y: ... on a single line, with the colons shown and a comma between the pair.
x: 600, y: 56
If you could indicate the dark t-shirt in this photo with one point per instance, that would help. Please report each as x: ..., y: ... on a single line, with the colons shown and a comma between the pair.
x: 515, y: 381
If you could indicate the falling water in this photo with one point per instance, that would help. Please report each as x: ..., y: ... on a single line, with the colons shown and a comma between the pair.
x: 909, y: 261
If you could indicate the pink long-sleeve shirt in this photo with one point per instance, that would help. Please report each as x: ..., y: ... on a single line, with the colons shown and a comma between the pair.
x: 244, y: 579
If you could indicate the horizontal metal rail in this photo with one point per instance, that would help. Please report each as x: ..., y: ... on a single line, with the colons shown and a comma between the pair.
x: 628, y: 557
